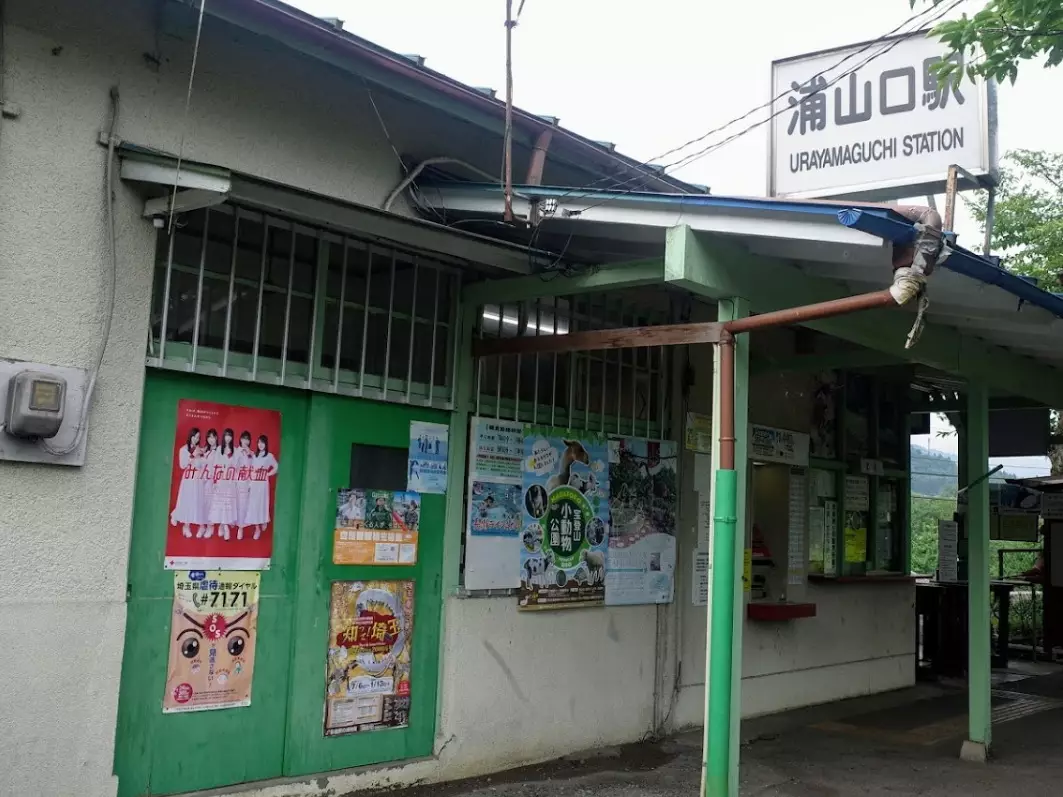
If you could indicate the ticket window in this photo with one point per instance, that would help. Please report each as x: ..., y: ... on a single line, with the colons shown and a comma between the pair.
x: 769, y: 530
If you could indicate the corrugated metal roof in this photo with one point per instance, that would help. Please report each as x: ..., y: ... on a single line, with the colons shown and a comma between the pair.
x: 315, y: 31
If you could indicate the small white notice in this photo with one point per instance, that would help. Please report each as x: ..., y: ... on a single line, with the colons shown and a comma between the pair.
x: 798, y: 527
x: 700, y: 583
x: 948, y: 550
x: 857, y: 494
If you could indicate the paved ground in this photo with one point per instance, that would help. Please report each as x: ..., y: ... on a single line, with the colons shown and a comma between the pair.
x: 897, y: 745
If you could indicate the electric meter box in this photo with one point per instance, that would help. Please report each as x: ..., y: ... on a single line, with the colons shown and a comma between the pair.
x: 35, y: 404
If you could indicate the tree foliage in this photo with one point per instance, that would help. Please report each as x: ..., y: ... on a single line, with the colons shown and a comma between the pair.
x: 1002, y: 35
x: 1028, y: 231
x: 1028, y: 220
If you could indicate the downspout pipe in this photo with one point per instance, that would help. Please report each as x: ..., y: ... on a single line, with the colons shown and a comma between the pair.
x: 538, y: 157
x: 716, y: 756
x: 910, y: 271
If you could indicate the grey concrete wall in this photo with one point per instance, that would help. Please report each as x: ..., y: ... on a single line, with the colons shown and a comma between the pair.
x: 65, y: 531
x: 862, y: 639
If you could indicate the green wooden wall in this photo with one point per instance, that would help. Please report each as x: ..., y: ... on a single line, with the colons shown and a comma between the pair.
x: 281, y: 733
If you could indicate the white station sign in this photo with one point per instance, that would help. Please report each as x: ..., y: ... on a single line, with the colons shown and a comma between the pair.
x: 871, y: 121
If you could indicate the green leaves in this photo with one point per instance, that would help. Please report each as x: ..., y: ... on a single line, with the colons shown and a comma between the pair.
x: 1002, y: 35
x: 1028, y: 219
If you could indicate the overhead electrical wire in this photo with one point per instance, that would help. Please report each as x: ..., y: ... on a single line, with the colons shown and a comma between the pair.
x: 184, y: 118
x: 81, y: 425
x: 697, y: 139
x: 686, y: 160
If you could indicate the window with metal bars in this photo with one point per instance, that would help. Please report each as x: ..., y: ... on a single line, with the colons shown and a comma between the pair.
x: 245, y: 295
x: 621, y: 392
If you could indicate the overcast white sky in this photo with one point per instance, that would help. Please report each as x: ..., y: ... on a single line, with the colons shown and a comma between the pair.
x: 649, y: 76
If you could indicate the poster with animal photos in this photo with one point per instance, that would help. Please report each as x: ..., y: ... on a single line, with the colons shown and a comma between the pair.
x: 564, y: 536
x: 493, y: 504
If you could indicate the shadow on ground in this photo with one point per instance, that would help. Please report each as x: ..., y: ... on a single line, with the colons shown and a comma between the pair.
x: 904, y: 743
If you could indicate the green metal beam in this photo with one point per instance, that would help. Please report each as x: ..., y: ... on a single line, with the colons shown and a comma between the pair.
x: 811, y: 363
x: 457, y: 448
x: 635, y: 274
x: 712, y: 267
x: 464, y: 387
x: 998, y: 403
x: 979, y: 682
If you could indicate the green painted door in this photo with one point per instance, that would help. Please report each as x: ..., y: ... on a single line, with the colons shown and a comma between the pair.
x: 335, y: 425
x: 281, y: 733
x: 158, y: 753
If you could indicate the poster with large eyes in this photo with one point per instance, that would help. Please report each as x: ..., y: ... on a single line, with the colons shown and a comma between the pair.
x: 212, y: 640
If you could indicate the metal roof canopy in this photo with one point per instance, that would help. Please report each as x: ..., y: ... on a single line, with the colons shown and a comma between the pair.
x: 847, y: 244
x: 205, y: 185
x: 408, y: 76
x: 1046, y: 484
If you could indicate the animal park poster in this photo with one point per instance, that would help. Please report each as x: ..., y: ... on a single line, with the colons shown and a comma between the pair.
x: 212, y: 640
x: 564, y: 536
x: 643, y: 494
x: 222, y: 487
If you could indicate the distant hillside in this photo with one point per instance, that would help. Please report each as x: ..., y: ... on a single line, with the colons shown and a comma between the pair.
x: 933, y: 473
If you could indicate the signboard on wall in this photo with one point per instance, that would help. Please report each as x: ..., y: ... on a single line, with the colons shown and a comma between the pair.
x: 564, y: 539
x: 492, y: 544
x: 222, y: 487
x: 698, y: 433
x: 767, y: 444
x: 1052, y: 506
x: 871, y: 121
x: 212, y: 640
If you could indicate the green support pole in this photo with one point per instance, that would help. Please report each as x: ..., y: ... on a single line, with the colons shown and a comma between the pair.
x: 976, y: 747
x: 464, y: 370
x: 963, y: 478
x: 725, y: 737
x: 717, y: 751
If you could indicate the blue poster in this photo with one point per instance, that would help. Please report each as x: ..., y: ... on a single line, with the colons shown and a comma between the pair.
x: 494, y: 509
x: 564, y: 539
x: 427, y: 462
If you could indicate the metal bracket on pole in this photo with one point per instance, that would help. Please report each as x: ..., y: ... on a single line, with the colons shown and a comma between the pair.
x: 979, y: 480
x: 185, y: 201
x: 990, y: 214
x: 950, y: 197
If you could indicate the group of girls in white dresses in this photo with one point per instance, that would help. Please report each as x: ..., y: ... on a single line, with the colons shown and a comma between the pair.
x: 223, y: 486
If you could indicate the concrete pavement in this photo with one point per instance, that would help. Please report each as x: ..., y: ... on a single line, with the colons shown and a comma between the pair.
x: 905, y: 743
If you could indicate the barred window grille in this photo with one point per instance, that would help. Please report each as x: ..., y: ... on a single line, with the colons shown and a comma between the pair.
x: 247, y: 295
x: 621, y: 392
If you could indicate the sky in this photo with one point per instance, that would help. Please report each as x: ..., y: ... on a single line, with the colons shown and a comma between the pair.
x: 649, y: 76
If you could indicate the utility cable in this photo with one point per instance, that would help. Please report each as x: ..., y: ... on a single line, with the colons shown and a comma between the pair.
x: 686, y: 160
x: 109, y: 198
x: 184, y: 119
